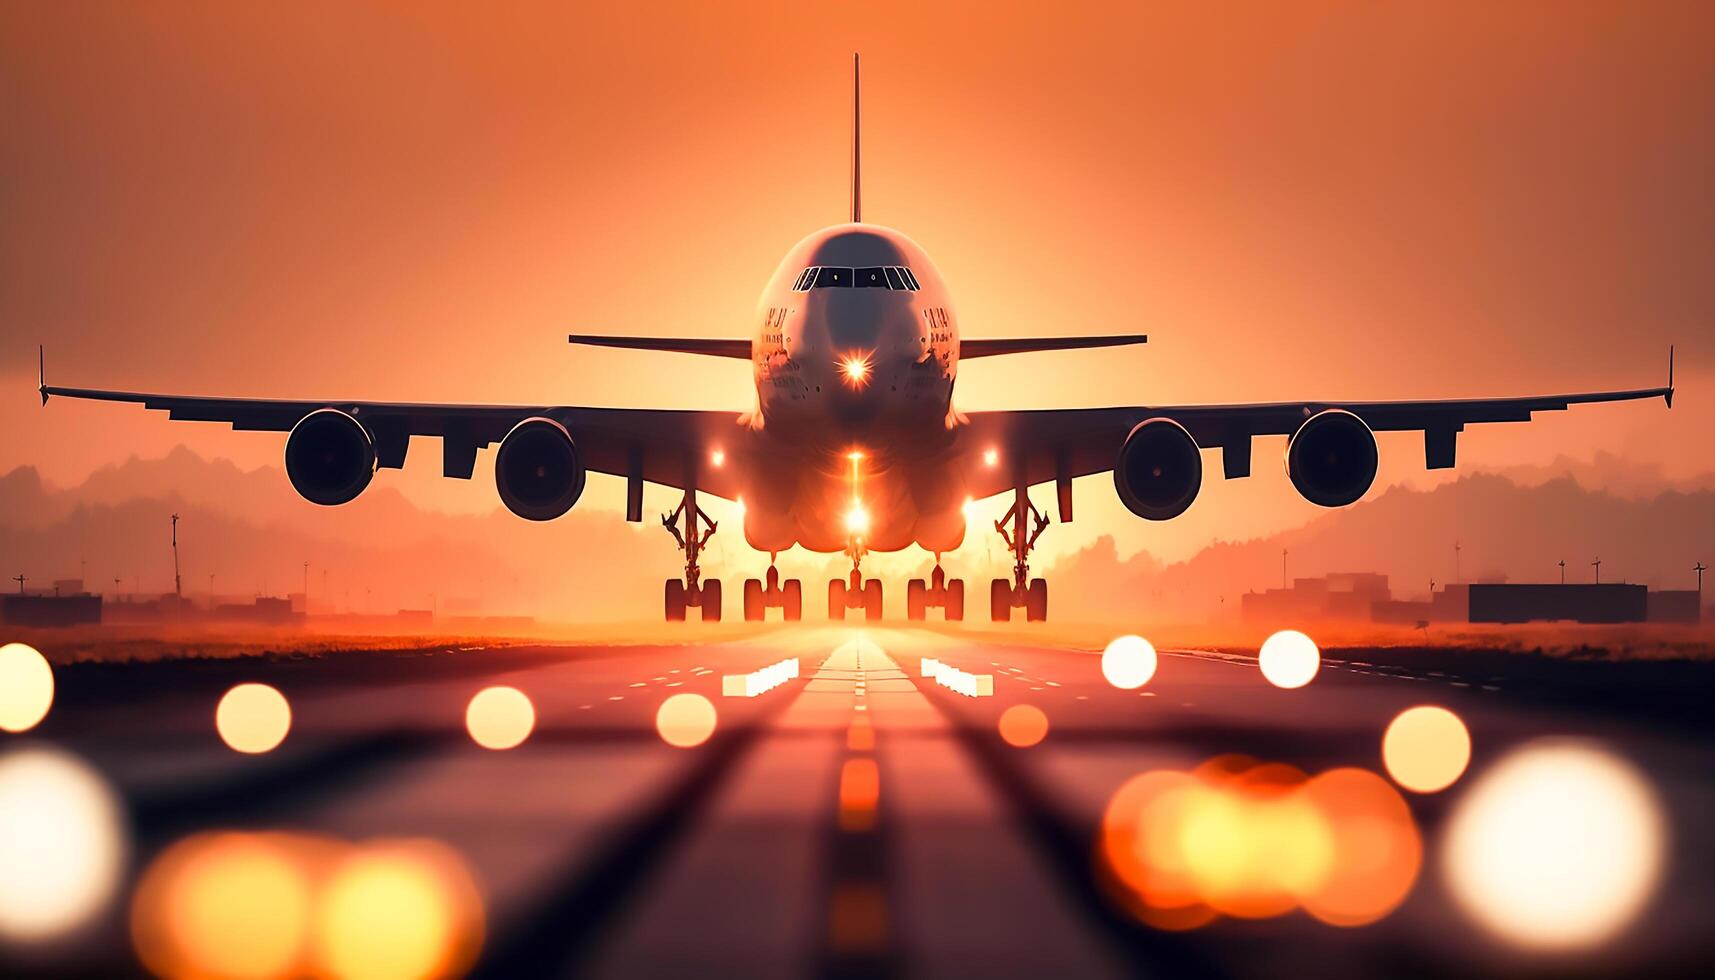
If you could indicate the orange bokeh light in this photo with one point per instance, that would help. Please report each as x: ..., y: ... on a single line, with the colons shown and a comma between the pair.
x: 1023, y: 725
x: 1426, y: 748
x: 26, y: 687
x: 500, y: 717
x: 1248, y: 840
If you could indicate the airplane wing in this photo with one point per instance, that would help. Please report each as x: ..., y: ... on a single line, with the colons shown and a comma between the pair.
x: 969, y: 348
x: 658, y: 446
x: 681, y: 345
x: 1061, y: 444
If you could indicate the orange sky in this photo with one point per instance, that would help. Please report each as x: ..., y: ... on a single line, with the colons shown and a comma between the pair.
x: 1323, y: 200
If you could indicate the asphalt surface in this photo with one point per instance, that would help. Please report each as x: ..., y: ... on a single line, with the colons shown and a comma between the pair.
x: 600, y: 850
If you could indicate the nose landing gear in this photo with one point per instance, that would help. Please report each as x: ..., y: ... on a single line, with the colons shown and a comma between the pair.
x: 691, y: 592
x: 939, y: 592
x: 1023, y: 591
x: 854, y: 592
x: 759, y: 597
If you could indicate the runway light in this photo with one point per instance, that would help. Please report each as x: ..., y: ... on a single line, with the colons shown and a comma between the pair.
x: 1289, y: 659
x: 1129, y: 662
x: 228, y: 905
x: 685, y: 720
x: 860, y: 791
x: 399, y: 911
x: 991, y: 457
x: 253, y: 718
x: 1426, y: 748
x: 857, y: 519
x: 1557, y: 847
x: 759, y: 681
x: 1023, y: 725
x: 500, y: 717
x: 26, y: 687
x: 62, y: 845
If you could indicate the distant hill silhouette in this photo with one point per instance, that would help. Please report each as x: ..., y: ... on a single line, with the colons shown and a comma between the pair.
x: 253, y: 532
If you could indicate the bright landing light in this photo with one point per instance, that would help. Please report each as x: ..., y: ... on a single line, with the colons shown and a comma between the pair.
x: 857, y: 519
x: 1557, y: 847
x: 26, y: 687
x: 1289, y: 659
x: 1129, y: 662
x: 855, y: 370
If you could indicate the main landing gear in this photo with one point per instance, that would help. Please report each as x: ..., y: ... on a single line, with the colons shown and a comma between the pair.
x: 1022, y: 591
x: 759, y: 597
x: 938, y: 593
x: 854, y: 592
x: 691, y: 593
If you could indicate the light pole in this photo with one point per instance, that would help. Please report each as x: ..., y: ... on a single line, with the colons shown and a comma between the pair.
x: 178, y: 588
x: 1283, y: 579
x: 1458, y: 575
x: 1699, y: 569
x: 1562, y: 571
x: 1597, y: 564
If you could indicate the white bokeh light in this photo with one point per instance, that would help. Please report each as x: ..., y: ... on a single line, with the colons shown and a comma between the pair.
x: 62, y: 845
x: 1129, y: 662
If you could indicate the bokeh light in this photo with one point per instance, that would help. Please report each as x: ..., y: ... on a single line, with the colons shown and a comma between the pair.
x: 1023, y: 725
x: 1426, y: 748
x: 1556, y: 847
x: 1249, y: 840
x: 399, y: 911
x: 860, y: 792
x: 26, y: 687
x: 253, y: 718
x: 1128, y: 662
x: 229, y: 905
x: 685, y: 720
x: 1289, y: 659
x: 62, y: 845
x: 500, y: 717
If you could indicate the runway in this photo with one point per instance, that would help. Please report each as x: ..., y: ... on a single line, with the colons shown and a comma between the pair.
x: 857, y: 819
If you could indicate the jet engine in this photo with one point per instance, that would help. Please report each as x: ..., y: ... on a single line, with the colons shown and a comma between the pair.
x: 1331, y: 459
x: 537, y: 470
x: 330, y: 457
x: 1159, y: 470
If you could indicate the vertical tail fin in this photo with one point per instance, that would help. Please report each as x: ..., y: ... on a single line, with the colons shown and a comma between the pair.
x: 857, y: 155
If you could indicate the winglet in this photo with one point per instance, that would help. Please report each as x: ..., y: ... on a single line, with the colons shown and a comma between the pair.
x: 1668, y: 397
x: 42, y: 372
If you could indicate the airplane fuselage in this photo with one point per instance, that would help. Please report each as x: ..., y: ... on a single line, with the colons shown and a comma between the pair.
x: 855, y: 353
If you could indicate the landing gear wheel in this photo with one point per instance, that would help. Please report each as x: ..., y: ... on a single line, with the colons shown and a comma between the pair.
x: 753, y: 607
x: 872, y: 600
x: 1036, y: 601
x: 916, y: 599
x: 955, y: 604
x: 711, y: 604
x: 675, y: 601
x: 1000, y: 600
x: 837, y: 599
x: 792, y: 600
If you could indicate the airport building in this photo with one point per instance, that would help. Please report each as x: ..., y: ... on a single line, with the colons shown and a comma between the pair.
x: 1340, y: 595
x: 50, y: 610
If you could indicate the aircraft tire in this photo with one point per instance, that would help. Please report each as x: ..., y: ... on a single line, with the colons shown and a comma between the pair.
x: 837, y: 599
x: 711, y: 601
x: 1000, y: 600
x: 1036, y: 601
x: 754, y: 610
x: 954, y: 606
x: 872, y: 600
x: 675, y: 601
x: 792, y: 600
x: 916, y: 600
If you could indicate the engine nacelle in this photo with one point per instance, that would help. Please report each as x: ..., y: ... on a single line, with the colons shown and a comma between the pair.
x: 1159, y: 470
x: 1331, y: 459
x: 537, y: 470
x: 330, y: 457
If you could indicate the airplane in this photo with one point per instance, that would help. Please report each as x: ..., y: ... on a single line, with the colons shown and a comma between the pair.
x: 853, y: 444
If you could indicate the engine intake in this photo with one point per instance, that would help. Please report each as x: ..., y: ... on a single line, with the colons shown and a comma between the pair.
x: 330, y: 457
x: 537, y: 470
x: 1331, y: 459
x: 1159, y: 470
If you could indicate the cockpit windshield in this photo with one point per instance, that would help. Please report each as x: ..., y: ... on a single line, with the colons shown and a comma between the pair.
x: 842, y: 277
